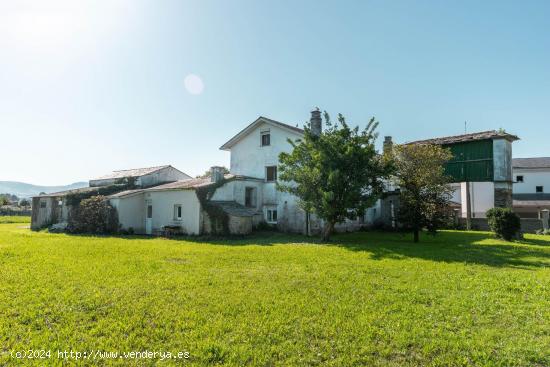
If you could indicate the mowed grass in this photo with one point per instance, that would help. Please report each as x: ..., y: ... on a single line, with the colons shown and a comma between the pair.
x: 14, y: 219
x: 373, y: 299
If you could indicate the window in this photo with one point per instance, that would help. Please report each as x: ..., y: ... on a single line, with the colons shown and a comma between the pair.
x: 271, y: 173
x: 265, y: 138
x: 42, y: 204
x: 519, y: 178
x: 250, y: 197
x: 540, y: 189
x: 271, y: 215
x: 149, y: 211
x: 60, y: 203
x: 177, y: 212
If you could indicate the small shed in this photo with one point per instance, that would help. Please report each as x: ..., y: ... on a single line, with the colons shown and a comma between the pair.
x: 240, y: 217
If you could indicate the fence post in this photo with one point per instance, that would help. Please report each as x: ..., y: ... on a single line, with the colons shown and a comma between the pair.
x: 544, y: 218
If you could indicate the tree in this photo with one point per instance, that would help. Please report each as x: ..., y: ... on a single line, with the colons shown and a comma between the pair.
x: 336, y: 174
x: 4, y: 200
x: 425, y: 192
x: 24, y: 202
x: 208, y: 173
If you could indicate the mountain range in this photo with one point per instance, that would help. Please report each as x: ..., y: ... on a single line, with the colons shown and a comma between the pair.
x: 25, y: 190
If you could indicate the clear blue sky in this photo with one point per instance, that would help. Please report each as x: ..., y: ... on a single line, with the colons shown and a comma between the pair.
x: 89, y: 87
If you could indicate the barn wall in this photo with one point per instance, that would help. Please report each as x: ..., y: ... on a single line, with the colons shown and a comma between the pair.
x: 163, y: 210
x: 131, y: 212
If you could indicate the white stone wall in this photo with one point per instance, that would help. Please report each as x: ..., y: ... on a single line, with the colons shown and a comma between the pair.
x: 482, y: 198
x: 163, y: 210
x: 249, y: 158
x: 168, y: 174
x: 531, y: 179
x: 132, y: 210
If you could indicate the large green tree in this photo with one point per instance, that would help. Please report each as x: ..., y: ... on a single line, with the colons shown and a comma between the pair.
x: 425, y: 191
x: 336, y: 174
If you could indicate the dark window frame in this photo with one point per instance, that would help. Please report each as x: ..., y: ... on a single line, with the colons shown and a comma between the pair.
x: 265, y: 139
x: 519, y: 178
x: 271, y: 177
x: 271, y: 216
x: 539, y: 189
x: 250, y: 197
x: 178, y: 212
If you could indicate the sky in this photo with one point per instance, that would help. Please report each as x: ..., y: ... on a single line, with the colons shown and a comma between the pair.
x: 87, y: 87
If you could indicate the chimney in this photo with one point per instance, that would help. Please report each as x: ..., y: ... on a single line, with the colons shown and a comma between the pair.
x: 388, y: 145
x: 316, y: 123
x: 216, y: 173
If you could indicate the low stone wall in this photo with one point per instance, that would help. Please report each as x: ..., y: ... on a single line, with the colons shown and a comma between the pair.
x: 528, y: 225
x: 14, y: 212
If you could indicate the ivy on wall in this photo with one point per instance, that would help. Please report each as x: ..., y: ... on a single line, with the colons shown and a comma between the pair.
x: 219, y: 220
x: 123, y: 184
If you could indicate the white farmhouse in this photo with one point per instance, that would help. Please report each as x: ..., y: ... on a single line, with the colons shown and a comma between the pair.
x: 531, y: 186
x: 248, y: 194
x: 53, y: 208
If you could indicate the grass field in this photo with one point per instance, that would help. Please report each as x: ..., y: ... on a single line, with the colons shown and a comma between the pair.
x: 459, y: 299
x: 14, y: 219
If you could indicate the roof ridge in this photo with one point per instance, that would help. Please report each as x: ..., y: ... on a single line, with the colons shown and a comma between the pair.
x: 135, y: 169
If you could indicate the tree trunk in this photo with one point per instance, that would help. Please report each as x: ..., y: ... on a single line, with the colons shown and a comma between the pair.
x: 327, y: 231
x: 416, y: 235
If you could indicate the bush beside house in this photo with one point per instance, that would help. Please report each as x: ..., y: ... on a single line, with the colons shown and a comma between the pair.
x: 503, y: 222
x: 93, y: 215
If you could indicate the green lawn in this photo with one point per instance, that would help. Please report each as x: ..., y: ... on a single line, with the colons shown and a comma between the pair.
x: 459, y: 299
x: 14, y: 219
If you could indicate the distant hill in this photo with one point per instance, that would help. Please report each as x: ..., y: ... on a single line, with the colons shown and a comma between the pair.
x: 25, y: 190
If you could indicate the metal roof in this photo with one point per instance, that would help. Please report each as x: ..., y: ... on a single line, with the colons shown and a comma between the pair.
x: 537, y: 162
x: 189, y: 184
x: 67, y: 192
x: 135, y: 172
x: 483, y: 135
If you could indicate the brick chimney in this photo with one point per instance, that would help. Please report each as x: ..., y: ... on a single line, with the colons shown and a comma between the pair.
x: 316, y: 123
x: 388, y: 145
x: 216, y: 173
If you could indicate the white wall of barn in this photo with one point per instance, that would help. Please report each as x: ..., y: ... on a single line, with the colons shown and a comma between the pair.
x: 163, y: 210
x: 531, y: 179
x: 482, y: 198
x: 168, y: 174
x: 131, y: 212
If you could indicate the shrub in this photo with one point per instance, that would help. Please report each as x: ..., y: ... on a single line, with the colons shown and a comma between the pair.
x: 504, y: 222
x: 93, y: 215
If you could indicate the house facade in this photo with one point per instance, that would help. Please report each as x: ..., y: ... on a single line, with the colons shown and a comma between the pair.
x: 166, y: 198
x: 55, y: 208
x: 248, y: 194
x: 531, y: 186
